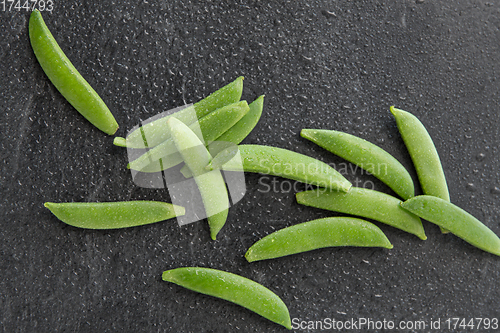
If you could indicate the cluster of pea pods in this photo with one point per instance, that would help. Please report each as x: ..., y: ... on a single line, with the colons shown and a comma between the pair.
x: 193, y: 136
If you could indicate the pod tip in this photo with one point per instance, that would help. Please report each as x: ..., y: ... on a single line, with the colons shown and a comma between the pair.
x: 213, y: 232
x: 209, y: 167
x: 248, y: 256
x: 166, y: 276
x: 303, y: 132
x: 346, y: 187
x: 395, y: 111
x: 113, y: 130
x: 258, y: 100
x: 120, y: 142
x: 181, y: 210
x: 186, y: 172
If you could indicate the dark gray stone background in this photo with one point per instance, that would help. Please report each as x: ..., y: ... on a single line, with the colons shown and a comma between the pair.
x: 323, y: 64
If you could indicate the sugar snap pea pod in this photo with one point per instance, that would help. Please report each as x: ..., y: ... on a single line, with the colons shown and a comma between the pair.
x: 155, y: 132
x: 423, y: 154
x: 211, y: 127
x: 237, y: 133
x: 366, y: 203
x: 366, y: 155
x: 242, y: 128
x: 454, y: 219
x: 66, y: 78
x: 283, y: 163
x: 317, y: 234
x: 233, y: 288
x: 113, y: 215
x: 211, y: 184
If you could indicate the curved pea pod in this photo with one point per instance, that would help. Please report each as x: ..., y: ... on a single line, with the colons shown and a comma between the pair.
x: 242, y: 128
x: 317, y: 234
x: 113, y: 215
x: 211, y: 127
x: 66, y: 78
x: 366, y: 155
x: 155, y: 132
x: 233, y: 288
x: 366, y: 203
x: 423, y: 154
x: 283, y: 163
x: 454, y: 219
x: 211, y: 184
x: 237, y: 133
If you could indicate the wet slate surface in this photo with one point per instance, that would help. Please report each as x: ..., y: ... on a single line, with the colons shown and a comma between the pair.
x: 334, y: 65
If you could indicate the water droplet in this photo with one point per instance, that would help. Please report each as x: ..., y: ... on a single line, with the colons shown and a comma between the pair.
x: 480, y: 157
x: 471, y: 187
x: 495, y: 190
x: 328, y: 14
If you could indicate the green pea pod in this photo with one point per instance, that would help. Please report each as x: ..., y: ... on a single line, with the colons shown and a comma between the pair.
x: 242, y: 128
x: 423, y: 154
x: 155, y: 132
x: 283, y: 163
x: 366, y: 155
x: 237, y: 133
x: 232, y: 288
x: 113, y: 215
x: 454, y: 219
x: 317, y: 234
x: 211, y: 127
x: 66, y: 78
x: 366, y: 203
x: 211, y: 184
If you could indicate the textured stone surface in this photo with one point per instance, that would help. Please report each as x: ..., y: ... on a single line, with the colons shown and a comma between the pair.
x: 321, y: 64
